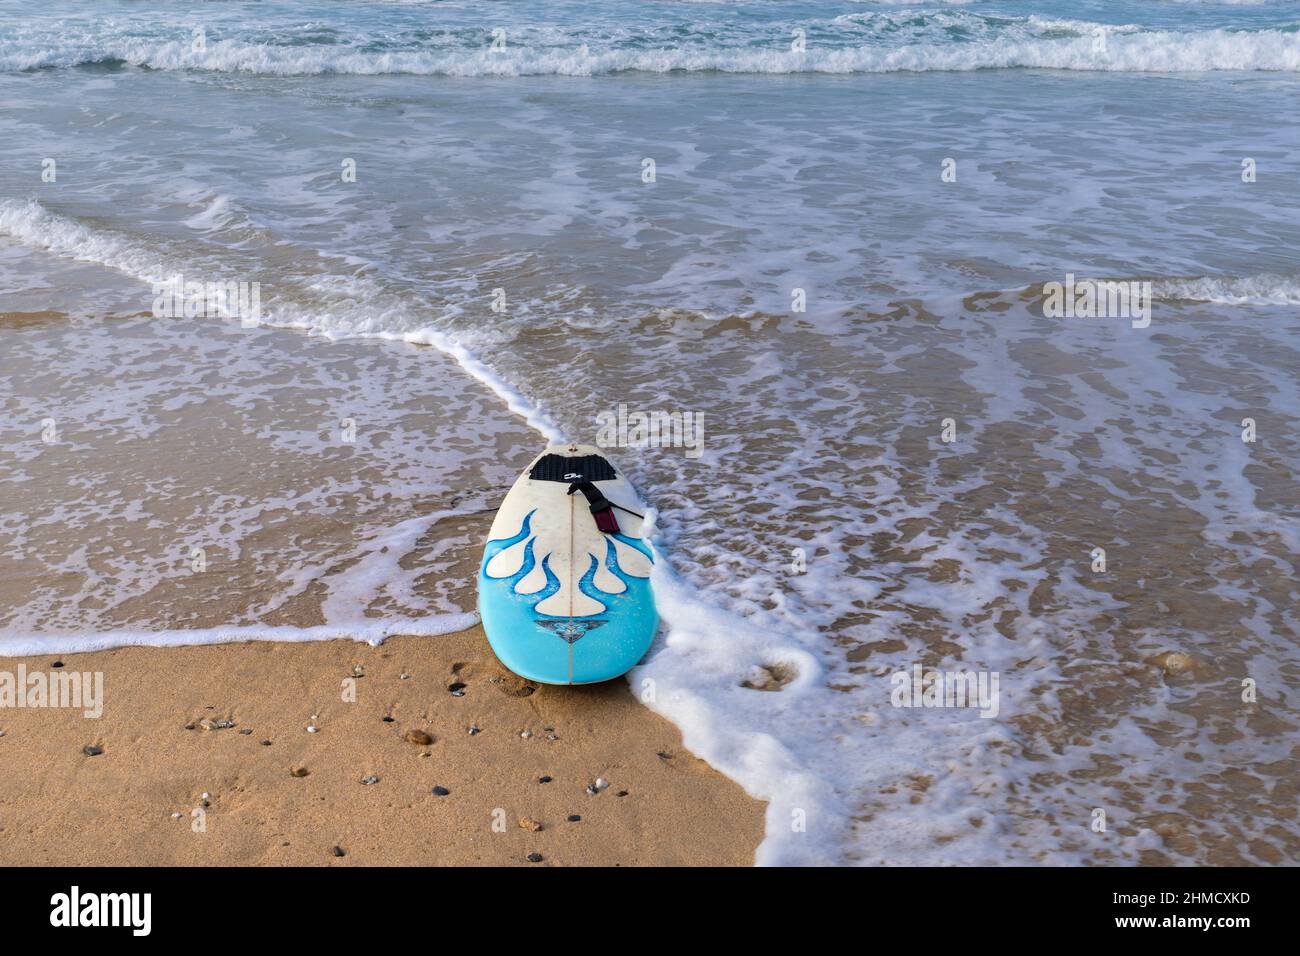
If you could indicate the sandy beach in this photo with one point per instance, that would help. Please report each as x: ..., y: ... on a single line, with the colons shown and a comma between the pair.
x: 136, y: 802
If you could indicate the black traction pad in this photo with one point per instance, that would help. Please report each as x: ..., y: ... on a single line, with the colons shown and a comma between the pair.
x: 560, y: 468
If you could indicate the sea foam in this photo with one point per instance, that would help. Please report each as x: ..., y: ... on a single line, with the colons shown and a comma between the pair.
x: 873, y: 42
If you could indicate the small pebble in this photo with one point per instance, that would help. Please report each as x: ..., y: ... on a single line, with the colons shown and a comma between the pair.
x: 591, y: 789
x: 266, y: 743
x: 418, y: 737
x: 2, y: 733
x: 405, y: 677
x: 1175, y: 662
x: 299, y: 772
x: 440, y: 791
x: 205, y: 795
x: 388, y: 720
x: 474, y: 729
x: 574, y: 818
x: 90, y: 750
x: 548, y: 728
x: 526, y: 734
x: 534, y: 858
x: 367, y: 781
x: 176, y: 816
x: 457, y: 689
x: 57, y: 664
x: 545, y: 779
x: 246, y: 731
x: 189, y: 726
x: 338, y: 851
x: 622, y: 793
x: 601, y: 783
x: 527, y: 823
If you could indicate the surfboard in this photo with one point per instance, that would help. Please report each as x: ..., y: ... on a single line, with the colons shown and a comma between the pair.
x: 564, y: 587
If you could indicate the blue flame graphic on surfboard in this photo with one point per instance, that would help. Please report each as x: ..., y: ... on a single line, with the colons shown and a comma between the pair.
x: 561, y: 601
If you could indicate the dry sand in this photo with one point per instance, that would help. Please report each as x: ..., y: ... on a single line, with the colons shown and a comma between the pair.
x: 60, y: 806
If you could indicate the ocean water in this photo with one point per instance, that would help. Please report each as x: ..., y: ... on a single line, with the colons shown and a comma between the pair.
x: 914, y: 175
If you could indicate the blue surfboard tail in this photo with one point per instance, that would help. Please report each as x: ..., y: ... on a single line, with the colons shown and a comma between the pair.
x: 534, y: 650
x: 566, y: 650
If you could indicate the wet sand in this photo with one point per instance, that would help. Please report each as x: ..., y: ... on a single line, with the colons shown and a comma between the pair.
x: 662, y: 806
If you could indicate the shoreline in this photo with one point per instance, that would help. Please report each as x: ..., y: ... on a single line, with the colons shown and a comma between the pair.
x: 140, y: 800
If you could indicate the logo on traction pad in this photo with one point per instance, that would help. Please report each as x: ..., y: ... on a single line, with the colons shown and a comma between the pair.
x: 570, y: 631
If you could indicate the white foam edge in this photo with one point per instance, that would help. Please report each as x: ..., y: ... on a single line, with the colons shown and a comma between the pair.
x: 696, y: 664
x: 370, y: 631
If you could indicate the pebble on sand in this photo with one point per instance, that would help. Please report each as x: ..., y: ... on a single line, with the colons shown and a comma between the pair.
x: 474, y: 729
x: 528, y: 823
x: 418, y: 737
x: 457, y: 689
x: 440, y: 791
x: 1173, y: 662
x: 368, y: 780
x: 338, y: 851
x: 544, y: 779
x: 90, y: 750
x: 534, y: 858
x: 299, y: 772
x: 574, y: 818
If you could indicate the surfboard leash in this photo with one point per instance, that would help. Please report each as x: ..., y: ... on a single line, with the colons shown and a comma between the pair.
x: 601, y: 507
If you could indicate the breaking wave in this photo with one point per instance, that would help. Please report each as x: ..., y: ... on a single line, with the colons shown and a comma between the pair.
x: 868, y: 42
